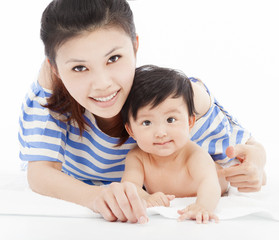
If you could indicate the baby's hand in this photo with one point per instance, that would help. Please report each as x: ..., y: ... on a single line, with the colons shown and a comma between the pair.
x: 195, y: 211
x: 158, y: 199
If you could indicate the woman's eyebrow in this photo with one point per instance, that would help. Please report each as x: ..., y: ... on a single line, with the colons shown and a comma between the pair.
x: 80, y: 60
x: 112, y: 50
x: 75, y: 60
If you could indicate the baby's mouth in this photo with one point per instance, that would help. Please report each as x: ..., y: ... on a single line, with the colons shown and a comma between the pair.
x: 162, y: 143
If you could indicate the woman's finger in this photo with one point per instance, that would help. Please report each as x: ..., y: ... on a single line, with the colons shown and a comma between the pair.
x: 238, y: 151
x: 137, y: 205
x: 238, y: 178
x: 234, y: 171
x: 115, y: 205
x: 249, y: 189
x: 103, y: 209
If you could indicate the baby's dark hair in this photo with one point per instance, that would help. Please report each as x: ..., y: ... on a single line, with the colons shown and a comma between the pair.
x: 152, y: 85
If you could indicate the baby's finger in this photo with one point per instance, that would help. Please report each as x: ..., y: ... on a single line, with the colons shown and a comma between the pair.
x: 184, y: 216
x: 199, y: 217
x: 182, y: 211
x: 205, y: 217
x: 214, y: 217
x: 187, y: 215
x: 165, y: 200
x: 170, y: 197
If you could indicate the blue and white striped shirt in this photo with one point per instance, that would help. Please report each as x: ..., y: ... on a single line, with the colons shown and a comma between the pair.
x: 217, y: 130
x: 93, y: 157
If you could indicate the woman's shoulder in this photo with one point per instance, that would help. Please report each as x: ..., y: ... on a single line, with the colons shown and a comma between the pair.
x: 35, y: 114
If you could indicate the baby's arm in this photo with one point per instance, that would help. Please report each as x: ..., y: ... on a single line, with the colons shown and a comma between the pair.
x: 134, y: 173
x: 134, y: 169
x: 202, y: 168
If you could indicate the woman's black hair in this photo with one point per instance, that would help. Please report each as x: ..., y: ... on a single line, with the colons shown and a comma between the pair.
x: 65, y: 19
x: 152, y: 85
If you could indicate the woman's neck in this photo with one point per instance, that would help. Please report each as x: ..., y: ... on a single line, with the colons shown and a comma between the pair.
x: 113, y: 127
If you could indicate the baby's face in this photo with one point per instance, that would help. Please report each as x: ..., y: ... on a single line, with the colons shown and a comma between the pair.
x: 164, y: 129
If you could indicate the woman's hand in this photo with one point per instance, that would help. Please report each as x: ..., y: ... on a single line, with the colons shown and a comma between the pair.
x: 197, y: 212
x: 120, y: 201
x: 249, y: 175
x: 158, y: 199
x: 45, y: 75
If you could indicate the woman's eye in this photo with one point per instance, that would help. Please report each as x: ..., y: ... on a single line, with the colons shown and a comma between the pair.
x: 79, y: 68
x: 171, y: 120
x: 113, y: 59
x: 146, y: 123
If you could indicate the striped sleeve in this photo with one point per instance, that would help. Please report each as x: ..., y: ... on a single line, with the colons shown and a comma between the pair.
x: 217, y: 130
x: 41, y: 136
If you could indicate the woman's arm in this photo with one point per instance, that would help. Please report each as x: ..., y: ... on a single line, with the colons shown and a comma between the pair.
x: 201, y: 99
x: 249, y: 176
x: 118, y: 201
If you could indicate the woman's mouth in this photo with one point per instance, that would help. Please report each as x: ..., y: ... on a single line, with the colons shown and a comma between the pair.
x: 106, y: 99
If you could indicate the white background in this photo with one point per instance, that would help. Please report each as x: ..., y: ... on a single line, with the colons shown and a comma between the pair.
x: 233, y: 46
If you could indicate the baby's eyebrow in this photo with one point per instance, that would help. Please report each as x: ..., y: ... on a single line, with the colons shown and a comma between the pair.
x: 174, y: 110
x: 143, y: 116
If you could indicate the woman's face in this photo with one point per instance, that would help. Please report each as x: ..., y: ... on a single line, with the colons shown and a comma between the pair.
x: 98, y: 68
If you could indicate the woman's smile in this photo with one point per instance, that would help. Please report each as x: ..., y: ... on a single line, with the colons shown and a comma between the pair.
x: 105, y: 102
x: 105, y: 99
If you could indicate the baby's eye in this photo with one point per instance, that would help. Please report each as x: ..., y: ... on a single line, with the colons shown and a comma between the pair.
x: 113, y: 59
x: 79, y: 68
x: 171, y: 120
x: 146, y: 123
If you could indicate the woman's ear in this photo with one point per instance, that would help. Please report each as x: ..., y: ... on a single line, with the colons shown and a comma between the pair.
x: 129, y: 130
x: 192, y: 120
x: 136, y: 44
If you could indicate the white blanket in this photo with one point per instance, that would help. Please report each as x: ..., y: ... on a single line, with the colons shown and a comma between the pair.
x: 234, y: 205
x: 18, y: 199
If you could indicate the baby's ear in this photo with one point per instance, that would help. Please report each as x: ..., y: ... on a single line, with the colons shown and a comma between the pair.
x: 192, y: 120
x: 129, y: 130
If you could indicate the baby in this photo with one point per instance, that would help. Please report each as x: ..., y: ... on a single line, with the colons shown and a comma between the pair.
x: 159, y: 114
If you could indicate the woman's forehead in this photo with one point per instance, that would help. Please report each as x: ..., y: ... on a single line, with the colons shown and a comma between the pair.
x: 100, y: 42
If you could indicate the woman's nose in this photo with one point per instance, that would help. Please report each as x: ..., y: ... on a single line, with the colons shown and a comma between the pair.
x: 101, y: 81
